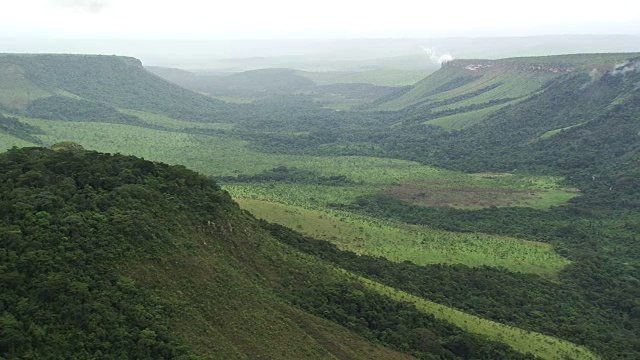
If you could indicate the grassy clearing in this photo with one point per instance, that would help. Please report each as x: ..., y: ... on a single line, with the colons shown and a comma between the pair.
x: 221, y: 155
x: 465, y: 119
x: 475, y: 197
x: 7, y: 142
x: 512, y: 84
x: 419, y: 185
x: 544, y: 346
x: 419, y: 244
x: 234, y: 99
x: 380, y: 77
x: 550, y: 133
x: 170, y: 123
x: 508, y: 81
x: 217, y: 154
x: 472, y: 191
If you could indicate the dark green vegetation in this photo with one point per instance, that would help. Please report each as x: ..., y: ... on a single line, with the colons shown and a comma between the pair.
x: 573, y: 117
x: 64, y: 108
x: 289, y: 175
x: 97, y: 250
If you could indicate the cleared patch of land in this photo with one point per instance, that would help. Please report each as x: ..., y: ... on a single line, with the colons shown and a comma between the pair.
x: 544, y: 346
x: 419, y: 244
x: 476, y: 196
x: 220, y: 154
x: 380, y: 77
x: 7, y: 141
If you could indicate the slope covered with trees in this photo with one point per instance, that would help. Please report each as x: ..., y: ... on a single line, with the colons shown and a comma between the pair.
x: 116, y: 81
x: 112, y: 256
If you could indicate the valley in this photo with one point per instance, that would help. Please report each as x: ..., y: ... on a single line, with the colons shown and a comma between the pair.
x: 499, y: 197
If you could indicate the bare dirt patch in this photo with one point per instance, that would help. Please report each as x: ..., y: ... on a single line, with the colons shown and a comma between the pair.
x: 462, y: 196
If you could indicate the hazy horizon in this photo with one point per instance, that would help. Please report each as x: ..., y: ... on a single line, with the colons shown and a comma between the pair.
x: 194, y: 33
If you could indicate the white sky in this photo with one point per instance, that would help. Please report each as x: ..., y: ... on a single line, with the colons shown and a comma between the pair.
x: 278, y: 19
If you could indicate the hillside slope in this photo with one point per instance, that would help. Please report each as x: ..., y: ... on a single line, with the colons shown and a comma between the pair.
x: 112, y: 256
x: 581, y: 122
x: 466, y: 92
x: 114, y: 81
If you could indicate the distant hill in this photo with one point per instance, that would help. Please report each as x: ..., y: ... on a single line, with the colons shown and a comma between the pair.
x: 333, y: 88
x: 271, y: 80
x: 465, y: 92
x: 581, y: 123
x: 111, y: 81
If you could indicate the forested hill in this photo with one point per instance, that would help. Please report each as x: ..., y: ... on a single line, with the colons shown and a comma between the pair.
x: 465, y: 92
x: 583, y: 125
x: 59, y: 85
x: 112, y: 257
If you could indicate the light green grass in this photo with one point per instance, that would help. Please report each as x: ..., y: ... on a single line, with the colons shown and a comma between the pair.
x: 465, y: 119
x: 7, y: 142
x: 380, y: 77
x: 170, y: 123
x: 419, y: 244
x: 408, y: 183
x: 513, y: 83
x: 550, y: 133
x: 220, y: 155
x: 544, y: 346
x: 235, y: 99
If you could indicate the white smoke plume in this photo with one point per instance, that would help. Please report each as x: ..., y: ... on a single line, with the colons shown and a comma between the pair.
x: 625, y: 67
x: 594, y: 74
x: 437, y: 57
x: 90, y: 6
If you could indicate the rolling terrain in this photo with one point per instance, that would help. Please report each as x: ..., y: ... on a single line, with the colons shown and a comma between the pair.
x: 113, y: 256
x: 340, y: 90
x: 466, y: 92
x: 497, y: 195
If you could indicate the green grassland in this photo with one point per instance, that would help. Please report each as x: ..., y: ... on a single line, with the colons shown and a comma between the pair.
x: 544, y: 346
x: 501, y: 81
x: 220, y: 154
x: 7, y: 141
x: 174, y: 124
x: 464, y: 119
x: 519, y: 84
x: 550, y: 133
x: 297, y: 204
x: 381, y: 77
x: 422, y: 186
x: 419, y: 244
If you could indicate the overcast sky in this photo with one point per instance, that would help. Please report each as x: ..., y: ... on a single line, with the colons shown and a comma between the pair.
x: 278, y: 19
